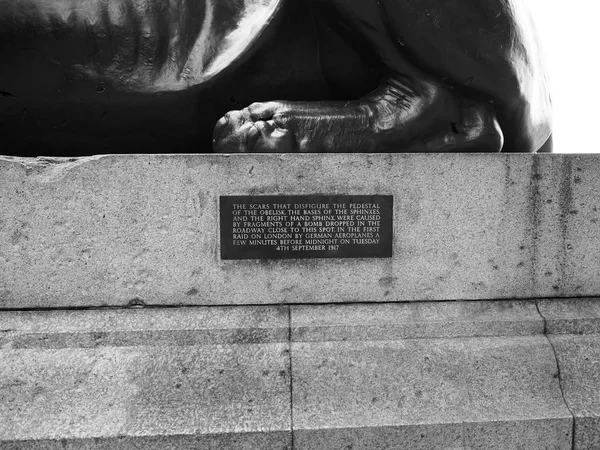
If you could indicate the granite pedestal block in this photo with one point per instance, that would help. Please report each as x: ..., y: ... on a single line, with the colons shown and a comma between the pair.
x: 144, y: 229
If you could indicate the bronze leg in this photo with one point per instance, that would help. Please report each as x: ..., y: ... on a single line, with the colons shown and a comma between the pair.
x: 393, y: 118
x: 461, y: 76
x: 411, y: 111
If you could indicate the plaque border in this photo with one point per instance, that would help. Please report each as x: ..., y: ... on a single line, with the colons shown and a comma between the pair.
x: 382, y: 250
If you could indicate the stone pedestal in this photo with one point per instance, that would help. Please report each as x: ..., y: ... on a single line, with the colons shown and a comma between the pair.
x: 121, y: 327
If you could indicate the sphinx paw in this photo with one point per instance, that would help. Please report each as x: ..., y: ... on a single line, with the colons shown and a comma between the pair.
x: 255, y: 129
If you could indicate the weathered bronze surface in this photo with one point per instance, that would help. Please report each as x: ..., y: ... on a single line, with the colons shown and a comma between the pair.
x: 125, y: 76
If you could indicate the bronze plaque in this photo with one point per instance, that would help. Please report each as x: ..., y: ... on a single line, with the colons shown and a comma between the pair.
x: 306, y: 226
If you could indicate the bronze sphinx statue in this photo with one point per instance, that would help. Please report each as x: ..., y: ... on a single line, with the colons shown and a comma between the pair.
x: 128, y: 76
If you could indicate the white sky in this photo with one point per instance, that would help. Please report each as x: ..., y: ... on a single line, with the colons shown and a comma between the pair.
x: 570, y: 34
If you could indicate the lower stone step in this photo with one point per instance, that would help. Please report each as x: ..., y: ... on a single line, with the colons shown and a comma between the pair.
x: 573, y: 327
x: 474, y: 388
x: 449, y: 375
x: 149, y: 379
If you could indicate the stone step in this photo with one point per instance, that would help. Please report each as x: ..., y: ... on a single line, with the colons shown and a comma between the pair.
x: 465, y: 375
x: 154, y: 379
x: 573, y: 327
x: 460, y: 375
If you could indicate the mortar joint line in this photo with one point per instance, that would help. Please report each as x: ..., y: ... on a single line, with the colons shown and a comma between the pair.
x: 155, y: 306
x: 558, y: 371
x: 289, y: 307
